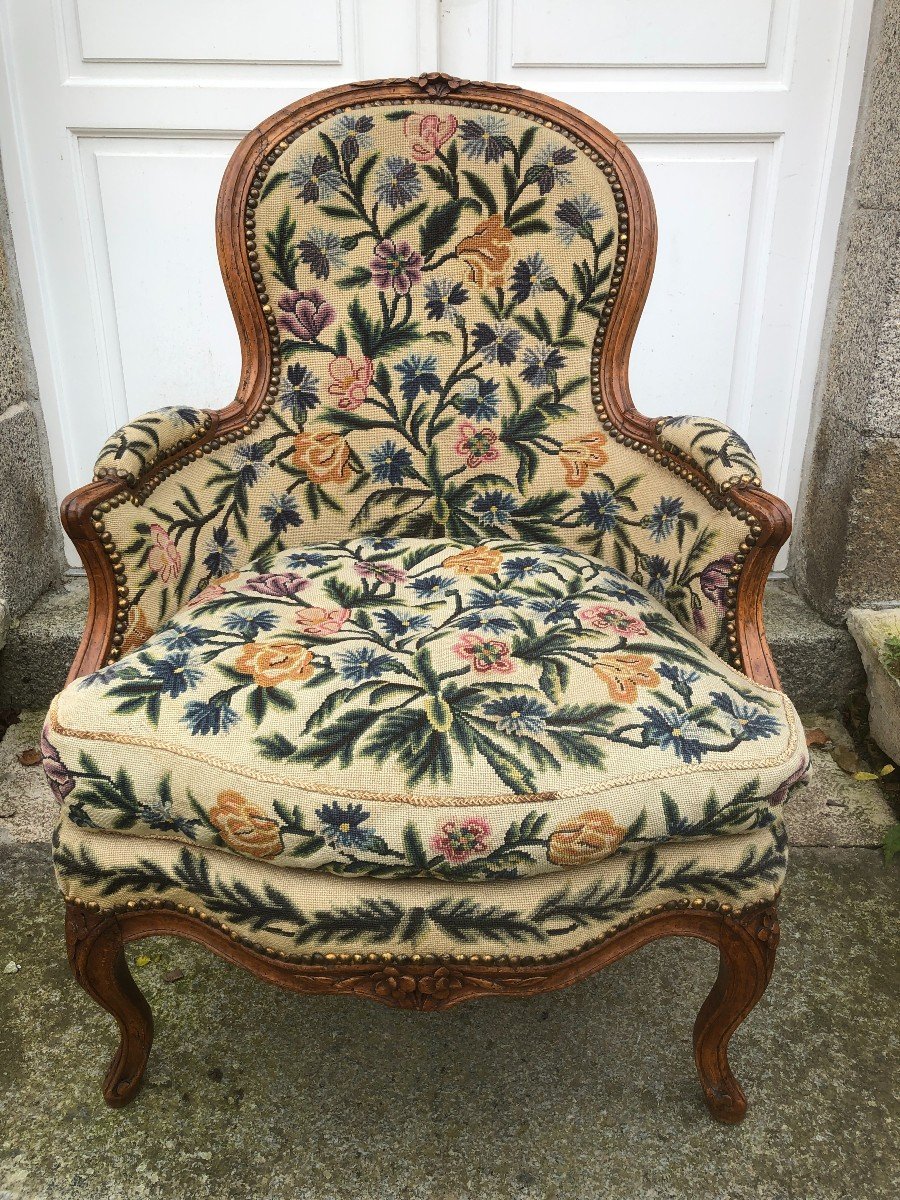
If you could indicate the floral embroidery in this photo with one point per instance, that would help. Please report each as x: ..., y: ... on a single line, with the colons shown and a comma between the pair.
x: 426, y: 134
x: 272, y: 663
x: 325, y: 457
x: 459, y: 840
x: 137, y: 630
x: 305, y: 314
x: 486, y: 252
x: 590, y: 836
x: 623, y: 674
x: 164, y: 560
x: 581, y: 455
x: 322, y: 620
x: 396, y: 265
x: 476, y: 445
x: 350, y: 381
x: 244, y: 828
x: 615, y: 620
x: 484, y: 654
x: 480, y: 560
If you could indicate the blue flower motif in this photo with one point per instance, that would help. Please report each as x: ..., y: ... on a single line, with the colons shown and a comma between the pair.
x: 249, y: 628
x: 315, y: 177
x: 398, y: 181
x: 541, y: 364
x: 250, y: 463
x: 341, y: 826
x: 553, y: 609
x: 305, y: 558
x: 673, y: 728
x: 601, y: 510
x: 183, y: 637
x: 662, y: 520
x: 158, y: 814
x: 399, y: 624
x: 430, y: 587
x: 209, y: 716
x: 390, y: 463
x: 352, y: 134
x: 528, y: 274
x: 575, y: 217
x: 493, y: 508
x: 359, y: 665
x: 174, y: 674
x: 681, y: 678
x: 485, y: 139
x: 523, y: 568
x: 481, y: 598
x: 299, y: 392
x: 221, y: 553
x: 518, y: 715
x: 378, y: 544
x: 281, y: 513
x: 498, y: 343
x: 486, y: 622
x: 418, y: 374
x: 619, y: 587
x: 321, y: 250
x: 444, y: 298
x: 477, y: 399
x: 747, y: 721
x: 658, y: 572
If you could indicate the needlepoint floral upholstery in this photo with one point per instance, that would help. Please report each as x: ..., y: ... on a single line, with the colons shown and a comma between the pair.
x: 437, y: 273
x: 426, y: 657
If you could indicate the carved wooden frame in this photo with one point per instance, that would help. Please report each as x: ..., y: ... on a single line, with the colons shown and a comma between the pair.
x: 747, y: 941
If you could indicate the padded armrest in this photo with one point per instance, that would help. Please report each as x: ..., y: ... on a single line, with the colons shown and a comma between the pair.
x: 720, y: 453
x: 133, y: 449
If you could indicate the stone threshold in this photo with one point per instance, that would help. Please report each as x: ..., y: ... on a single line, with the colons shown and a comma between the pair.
x: 819, y: 664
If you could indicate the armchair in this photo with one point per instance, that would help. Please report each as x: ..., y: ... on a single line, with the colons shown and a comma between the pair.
x: 428, y: 669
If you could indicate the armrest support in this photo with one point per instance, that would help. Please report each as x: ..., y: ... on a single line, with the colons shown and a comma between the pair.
x: 721, y: 454
x: 132, y: 450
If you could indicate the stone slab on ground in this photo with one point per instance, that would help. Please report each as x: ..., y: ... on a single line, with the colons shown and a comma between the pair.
x: 585, y: 1094
x: 877, y: 633
x: 41, y: 645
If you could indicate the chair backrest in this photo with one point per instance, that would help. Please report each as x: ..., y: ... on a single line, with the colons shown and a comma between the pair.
x: 436, y: 286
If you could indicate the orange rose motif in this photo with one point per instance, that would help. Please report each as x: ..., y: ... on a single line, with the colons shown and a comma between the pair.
x: 587, y: 838
x: 486, y: 252
x: 244, y: 828
x: 582, y: 455
x: 271, y: 663
x: 164, y: 559
x: 350, y: 380
x: 426, y: 134
x: 137, y: 630
x: 322, y: 620
x: 624, y: 673
x: 324, y: 456
x: 480, y: 560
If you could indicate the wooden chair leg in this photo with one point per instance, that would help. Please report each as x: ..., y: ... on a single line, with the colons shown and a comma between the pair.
x: 97, y: 958
x: 746, y: 959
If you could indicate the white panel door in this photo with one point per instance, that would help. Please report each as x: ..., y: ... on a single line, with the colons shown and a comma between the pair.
x: 117, y: 119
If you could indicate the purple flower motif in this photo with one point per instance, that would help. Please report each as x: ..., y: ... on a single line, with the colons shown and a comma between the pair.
x: 383, y: 572
x: 61, y: 782
x: 396, y: 265
x: 283, y: 584
x: 305, y: 314
x: 714, y: 581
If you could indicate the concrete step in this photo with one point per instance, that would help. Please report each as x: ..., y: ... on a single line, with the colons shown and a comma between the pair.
x: 820, y: 665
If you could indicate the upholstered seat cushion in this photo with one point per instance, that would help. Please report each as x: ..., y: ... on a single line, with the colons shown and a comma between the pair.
x: 403, y: 707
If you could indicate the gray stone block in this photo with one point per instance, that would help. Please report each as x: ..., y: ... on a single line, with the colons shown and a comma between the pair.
x: 819, y: 664
x: 40, y: 647
x: 30, y: 543
x: 877, y: 164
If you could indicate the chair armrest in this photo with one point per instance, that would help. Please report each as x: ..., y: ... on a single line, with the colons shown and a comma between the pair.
x: 721, y: 454
x: 132, y: 450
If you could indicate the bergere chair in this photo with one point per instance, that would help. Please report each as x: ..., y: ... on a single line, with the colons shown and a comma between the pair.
x: 428, y: 669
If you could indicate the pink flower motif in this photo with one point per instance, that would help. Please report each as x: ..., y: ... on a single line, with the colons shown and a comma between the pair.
x: 281, y: 584
x: 383, y: 572
x: 476, y: 445
x: 164, y: 559
x: 396, y: 265
x: 318, y: 621
x: 426, y: 134
x: 351, y: 381
x: 485, y: 654
x: 58, y: 776
x: 305, y: 314
x: 459, y: 840
x: 615, y: 620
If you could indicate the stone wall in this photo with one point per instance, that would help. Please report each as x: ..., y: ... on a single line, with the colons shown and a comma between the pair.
x: 31, y: 551
x: 846, y: 548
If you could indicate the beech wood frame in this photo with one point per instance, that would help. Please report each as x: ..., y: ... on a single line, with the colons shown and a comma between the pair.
x: 746, y: 940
